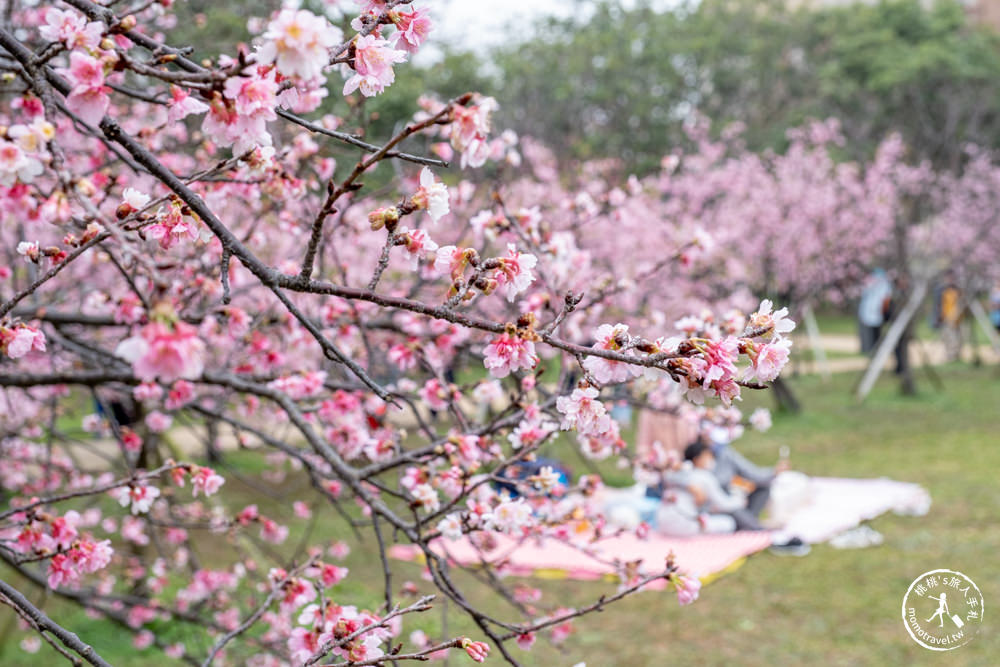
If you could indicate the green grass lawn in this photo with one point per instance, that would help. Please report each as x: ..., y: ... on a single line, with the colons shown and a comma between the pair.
x: 831, y: 607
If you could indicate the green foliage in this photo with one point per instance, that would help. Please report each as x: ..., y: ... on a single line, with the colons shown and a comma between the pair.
x: 623, y: 82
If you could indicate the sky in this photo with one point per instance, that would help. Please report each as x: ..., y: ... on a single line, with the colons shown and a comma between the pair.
x: 480, y: 24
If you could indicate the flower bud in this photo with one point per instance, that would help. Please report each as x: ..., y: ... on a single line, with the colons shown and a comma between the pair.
x: 486, y: 285
x: 382, y: 217
x: 89, y: 234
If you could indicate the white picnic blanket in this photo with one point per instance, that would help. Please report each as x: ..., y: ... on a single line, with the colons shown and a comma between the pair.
x: 817, y: 509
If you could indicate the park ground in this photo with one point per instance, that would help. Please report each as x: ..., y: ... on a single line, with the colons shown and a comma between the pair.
x: 832, y: 607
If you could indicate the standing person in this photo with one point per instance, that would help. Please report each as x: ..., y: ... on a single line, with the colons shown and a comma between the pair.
x: 900, y: 292
x: 995, y: 306
x: 951, y: 315
x: 874, y: 304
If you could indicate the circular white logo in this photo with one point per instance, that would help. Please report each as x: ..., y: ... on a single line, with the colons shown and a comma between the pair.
x: 942, y: 610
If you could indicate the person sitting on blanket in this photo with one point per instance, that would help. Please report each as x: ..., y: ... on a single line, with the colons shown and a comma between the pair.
x: 716, y: 497
x: 726, y: 465
x: 677, y: 506
x: 731, y: 468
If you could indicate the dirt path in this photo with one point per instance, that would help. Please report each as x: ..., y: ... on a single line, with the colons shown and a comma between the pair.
x: 921, y: 353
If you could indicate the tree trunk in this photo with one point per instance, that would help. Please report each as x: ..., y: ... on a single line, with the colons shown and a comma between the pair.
x: 784, y: 397
x: 904, y: 369
x: 901, y: 323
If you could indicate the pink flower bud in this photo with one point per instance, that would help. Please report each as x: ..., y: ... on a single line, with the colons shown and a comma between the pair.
x: 476, y: 650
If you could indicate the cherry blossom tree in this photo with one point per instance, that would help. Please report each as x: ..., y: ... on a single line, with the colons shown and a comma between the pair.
x: 193, y: 243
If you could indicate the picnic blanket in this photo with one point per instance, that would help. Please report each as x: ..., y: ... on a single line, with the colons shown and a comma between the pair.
x: 829, y: 507
x: 832, y: 505
x: 704, y: 555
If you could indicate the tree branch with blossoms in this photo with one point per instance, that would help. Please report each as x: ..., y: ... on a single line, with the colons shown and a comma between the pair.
x: 188, y: 253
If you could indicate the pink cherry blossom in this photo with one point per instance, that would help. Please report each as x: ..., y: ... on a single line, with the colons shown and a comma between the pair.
x: 426, y: 497
x: 404, y: 356
x: 432, y: 195
x: 303, y: 643
x: 131, y: 440
x: 133, y: 529
x: 205, y: 480
x: 301, y: 509
x: 171, y: 226
x: 158, y: 422
x: 21, y: 340
x: 367, y: 649
x: 760, y: 419
x: 62, y: 571
x: 164, y: 352
x: 412, y: 28
x: 562, y: 631
x: 331, y: 575
x: 139, y: 496
x: 91, y: 556
x: 437, y: 395
x: 778, y: 322
x: 451, y: 261
x: 71, y: 28
x: 418, y: 244
x: 135, y: 199
x: 175, y: 651
x: 182, y: 105
x: 239, y: 117
x: 769, y: 359
x: 302, y: 385
x: 299, y: 43
x: 531, y: 432
x: 17, y: 165
x: 511, y: 516
x: 450, y: 526
x: 599, y: 445
x: 29, y: 250
x: 514, y: 274
x: 607, y: 371
x: 181, y: 393
x: 373, y: 61
x: 88, y: 97
x: 273, y: 532
x: 509, y: 353
x: 470, y: 128
x: 581, y: 410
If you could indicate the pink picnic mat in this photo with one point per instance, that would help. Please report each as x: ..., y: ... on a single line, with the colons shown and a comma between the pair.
x: 702, y: 555
x: 823, y: 507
